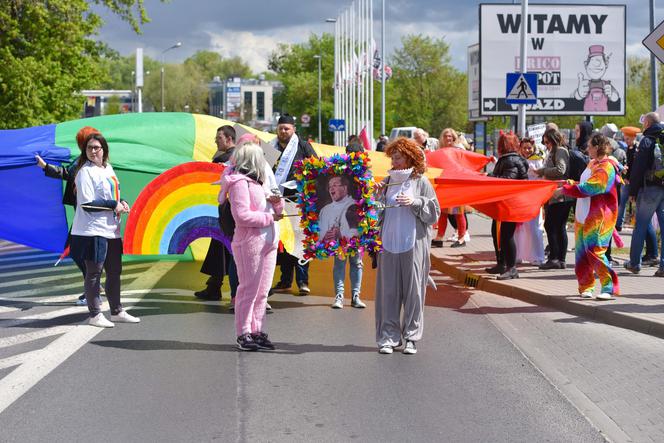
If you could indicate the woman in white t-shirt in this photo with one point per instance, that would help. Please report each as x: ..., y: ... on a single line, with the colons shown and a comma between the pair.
x: 96, y: 238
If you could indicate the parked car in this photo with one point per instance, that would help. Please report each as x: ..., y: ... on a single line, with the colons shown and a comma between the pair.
x: 404, y: 131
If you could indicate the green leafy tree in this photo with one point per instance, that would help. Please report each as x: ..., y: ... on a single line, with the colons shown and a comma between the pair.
x: 297, y: 69
x: 211, y: 64
x: 185, y: 89
x: 48, y: 55
x: 426, y: 90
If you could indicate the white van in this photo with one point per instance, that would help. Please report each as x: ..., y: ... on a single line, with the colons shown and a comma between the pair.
x: 404, y: 131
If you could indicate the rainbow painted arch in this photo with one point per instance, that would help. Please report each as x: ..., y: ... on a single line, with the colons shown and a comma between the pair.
x: 176, y: 208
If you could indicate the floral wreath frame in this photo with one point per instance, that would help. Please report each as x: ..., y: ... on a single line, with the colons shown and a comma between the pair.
x: 358, y: 166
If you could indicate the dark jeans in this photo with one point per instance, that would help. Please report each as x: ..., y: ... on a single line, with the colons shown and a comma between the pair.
x: 113, y: 267
x: 288, y: 264
x: 505, y: 246
x: 556, y: 233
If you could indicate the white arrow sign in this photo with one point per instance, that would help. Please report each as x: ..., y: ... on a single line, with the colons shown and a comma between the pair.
x: 489, y: 104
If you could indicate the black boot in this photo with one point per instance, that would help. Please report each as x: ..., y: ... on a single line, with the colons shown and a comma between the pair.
x: 498, y: 269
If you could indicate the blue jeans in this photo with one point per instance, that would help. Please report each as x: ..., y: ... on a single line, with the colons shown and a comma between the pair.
x: 290, y: 265
x: 650, y: 201
x: 622, y: 204
x: 339, y: 274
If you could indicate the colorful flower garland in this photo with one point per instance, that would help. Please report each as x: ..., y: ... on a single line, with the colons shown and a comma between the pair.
x: 358, y: 166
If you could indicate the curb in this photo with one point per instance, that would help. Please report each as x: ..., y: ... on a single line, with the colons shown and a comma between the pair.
x: 594, y: 312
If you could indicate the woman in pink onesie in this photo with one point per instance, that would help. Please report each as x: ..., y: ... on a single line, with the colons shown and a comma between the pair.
x: 254, y: 244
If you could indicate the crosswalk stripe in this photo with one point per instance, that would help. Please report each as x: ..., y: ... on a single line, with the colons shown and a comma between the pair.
x: 32, y: 336
x: 16, y: 360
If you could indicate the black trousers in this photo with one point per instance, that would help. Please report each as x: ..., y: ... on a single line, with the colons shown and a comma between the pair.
x: 555, y: 222
x: 504, y: 246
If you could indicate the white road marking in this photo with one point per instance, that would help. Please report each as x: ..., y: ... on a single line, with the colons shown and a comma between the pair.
x: 33, y: 366
x: 31, y: 336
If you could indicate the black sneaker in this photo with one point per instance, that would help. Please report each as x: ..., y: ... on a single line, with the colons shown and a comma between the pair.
x: 551, y: 264
x: 649, y: 261
x: 262, y: 341
x: 246, y: 343
x: 208, y: 294
x: 498, y: 269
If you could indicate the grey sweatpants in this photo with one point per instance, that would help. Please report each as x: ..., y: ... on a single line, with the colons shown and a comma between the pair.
x: 401, y: 282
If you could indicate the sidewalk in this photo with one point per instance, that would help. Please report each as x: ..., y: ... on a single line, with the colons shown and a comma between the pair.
x: 640, y: 306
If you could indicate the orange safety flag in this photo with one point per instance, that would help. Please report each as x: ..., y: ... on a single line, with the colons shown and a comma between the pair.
x: 501, y: 199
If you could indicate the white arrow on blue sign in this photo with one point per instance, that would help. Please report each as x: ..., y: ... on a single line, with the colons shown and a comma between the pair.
x: 521, y: 88
x: 336, y: 125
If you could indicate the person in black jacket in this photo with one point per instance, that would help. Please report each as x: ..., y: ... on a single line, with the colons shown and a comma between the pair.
x: 647, y: 190
x: 292, y: 149
x: 582, y: 132
x: 218, y: 260
x: 68, y: 173
x: 510, y: 165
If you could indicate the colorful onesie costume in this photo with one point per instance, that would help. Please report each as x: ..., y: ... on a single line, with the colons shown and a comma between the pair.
x: 596, y: 213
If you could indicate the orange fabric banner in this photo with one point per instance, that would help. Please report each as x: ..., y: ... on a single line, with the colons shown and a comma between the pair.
x: 461, y: 184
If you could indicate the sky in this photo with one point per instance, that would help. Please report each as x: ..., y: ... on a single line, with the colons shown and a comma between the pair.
x: 252, y: 29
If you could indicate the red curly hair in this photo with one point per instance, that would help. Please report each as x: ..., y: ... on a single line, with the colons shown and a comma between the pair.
x: 409, y: 149
x: 83, y: 134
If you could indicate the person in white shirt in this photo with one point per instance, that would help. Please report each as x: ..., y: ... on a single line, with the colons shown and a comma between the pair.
x: 96, y: 238
x: 338, y: 220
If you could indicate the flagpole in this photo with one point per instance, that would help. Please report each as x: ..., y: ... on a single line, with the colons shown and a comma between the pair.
x: 382, y: 70
x: 524, y: 32
x: 370, y: 68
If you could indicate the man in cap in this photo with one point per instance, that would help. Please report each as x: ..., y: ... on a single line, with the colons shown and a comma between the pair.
x: 292, y: 149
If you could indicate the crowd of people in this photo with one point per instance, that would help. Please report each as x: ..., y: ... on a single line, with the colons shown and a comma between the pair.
x: 596, y: 177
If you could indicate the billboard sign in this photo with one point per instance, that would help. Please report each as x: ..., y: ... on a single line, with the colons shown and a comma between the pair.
x: 577, y: 52
x: 474, y: 83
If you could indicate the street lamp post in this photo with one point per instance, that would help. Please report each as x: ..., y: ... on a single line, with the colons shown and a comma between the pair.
x: 320, y: 132
x: 175, y: 46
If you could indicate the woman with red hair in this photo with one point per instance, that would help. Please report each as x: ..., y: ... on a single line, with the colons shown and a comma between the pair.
x: 509, y: 165
x: 411, y: 207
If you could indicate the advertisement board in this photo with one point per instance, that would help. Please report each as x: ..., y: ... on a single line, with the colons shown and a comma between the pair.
x: 474, y: 83
x: 577, y: 51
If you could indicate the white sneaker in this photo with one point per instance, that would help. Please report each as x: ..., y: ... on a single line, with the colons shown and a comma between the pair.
x: 125, y: 317
x: 338, y: 303
x: 605, y: 296
x: 267, y: 307
x: 386, y: 349
x: 453, y: 237
x: 410, y: 348
x: 100, y: 321
x: 466, y: 237
x: 81, y: 302
x: 587, y: 294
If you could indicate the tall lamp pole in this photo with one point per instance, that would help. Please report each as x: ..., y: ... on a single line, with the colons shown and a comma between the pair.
x: 175, y: 46
x: 320, y: 132
x: 382, y: 71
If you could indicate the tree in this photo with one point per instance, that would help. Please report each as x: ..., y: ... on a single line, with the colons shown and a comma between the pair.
x: 48, y: 55
x: 426, y: 90
x: 297, y: 69
x: 212, y: 64
x: 184, y: 86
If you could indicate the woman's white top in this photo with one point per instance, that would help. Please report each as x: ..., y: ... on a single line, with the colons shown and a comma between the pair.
x: 398, y: 231
x: 92, y: 183
x: 583, y: 203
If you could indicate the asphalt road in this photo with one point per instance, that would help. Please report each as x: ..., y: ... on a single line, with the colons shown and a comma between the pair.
x: 177, y: 376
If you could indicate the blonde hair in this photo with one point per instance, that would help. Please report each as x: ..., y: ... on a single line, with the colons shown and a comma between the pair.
x: 455, y: 137
x: 249, y: 159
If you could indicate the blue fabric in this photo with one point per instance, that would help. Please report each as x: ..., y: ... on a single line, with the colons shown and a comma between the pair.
x: 31, y: 211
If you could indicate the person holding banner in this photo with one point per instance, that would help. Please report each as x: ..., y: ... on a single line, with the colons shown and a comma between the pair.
x: 529, y: 236
x: 95, y: 233
x: 450, y: 139
x: 292, y: 149
x: 510, y: 165
x: 595, y: 218
x: 411, y: 208
x: 556, y: 167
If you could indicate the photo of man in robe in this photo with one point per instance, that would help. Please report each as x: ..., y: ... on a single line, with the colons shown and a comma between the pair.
x: 338, y: 218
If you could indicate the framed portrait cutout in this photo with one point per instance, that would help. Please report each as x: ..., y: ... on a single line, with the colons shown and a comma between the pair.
x: 335, y: 197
